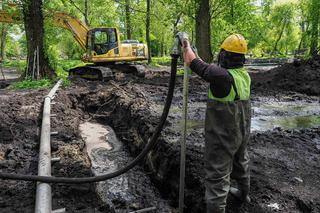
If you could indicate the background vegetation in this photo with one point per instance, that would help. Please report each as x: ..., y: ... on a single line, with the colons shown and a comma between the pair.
x: 273, y: 28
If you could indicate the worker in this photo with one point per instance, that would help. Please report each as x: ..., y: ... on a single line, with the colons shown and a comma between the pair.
x: 227, y: 123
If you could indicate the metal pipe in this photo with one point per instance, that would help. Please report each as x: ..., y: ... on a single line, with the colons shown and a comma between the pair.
x: 144, y: 210
x: 43, y: 196
x: 184, y: 138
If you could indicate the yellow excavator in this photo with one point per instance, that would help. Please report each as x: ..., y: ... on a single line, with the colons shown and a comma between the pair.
x: 103, y: 47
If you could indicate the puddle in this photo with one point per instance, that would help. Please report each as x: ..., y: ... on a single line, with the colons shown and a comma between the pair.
x: 94, y: 135
x: 191, y: 124
x: 285, y: 108
x: 263, y: 123
x: 259, y: 68
x: 107, y: 154
x: 267, y: 116
x: 287, y: 115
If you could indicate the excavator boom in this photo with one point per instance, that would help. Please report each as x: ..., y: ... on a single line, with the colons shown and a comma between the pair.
x: 74, y: 25
x: 59, y: 19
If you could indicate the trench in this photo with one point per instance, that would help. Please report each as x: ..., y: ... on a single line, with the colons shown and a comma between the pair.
x: 128, y: 192
x: 133, y: 121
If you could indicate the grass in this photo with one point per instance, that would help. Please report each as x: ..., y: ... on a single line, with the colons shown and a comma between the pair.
x: 17, y: 64
x: 61, y: 68
x: 32, y: 84
x: 161, y: 61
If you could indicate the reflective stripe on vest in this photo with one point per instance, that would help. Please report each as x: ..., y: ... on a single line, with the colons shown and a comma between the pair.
x: 242, y: 81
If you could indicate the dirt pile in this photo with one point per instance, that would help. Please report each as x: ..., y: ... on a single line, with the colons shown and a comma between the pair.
x: 299, y: 76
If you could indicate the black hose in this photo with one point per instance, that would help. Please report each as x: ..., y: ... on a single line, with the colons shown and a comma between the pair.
x: 141, y: 156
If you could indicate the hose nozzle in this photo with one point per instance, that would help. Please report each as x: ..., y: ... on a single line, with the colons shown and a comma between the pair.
x: 183, y: 38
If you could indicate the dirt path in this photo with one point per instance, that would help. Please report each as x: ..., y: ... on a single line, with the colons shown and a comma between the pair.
x: 285, y: 163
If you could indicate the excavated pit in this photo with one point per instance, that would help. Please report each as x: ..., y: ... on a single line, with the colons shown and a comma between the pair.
x: 284, y: 160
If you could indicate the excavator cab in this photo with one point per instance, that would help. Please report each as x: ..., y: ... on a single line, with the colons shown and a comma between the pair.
x: 102, y: 40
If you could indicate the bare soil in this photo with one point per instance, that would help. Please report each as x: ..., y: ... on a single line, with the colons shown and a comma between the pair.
x: 301, y: 76
x: 285, y: 165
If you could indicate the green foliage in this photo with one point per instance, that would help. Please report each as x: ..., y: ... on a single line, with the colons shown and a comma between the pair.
x: 180, y: 72
x: 18, y: 64
x: 32, y: 84
x: 62, y: 67
x: 161, y: 61
x: 272, y: 27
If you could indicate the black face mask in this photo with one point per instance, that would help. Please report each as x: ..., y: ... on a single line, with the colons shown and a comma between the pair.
x: 230, y: 60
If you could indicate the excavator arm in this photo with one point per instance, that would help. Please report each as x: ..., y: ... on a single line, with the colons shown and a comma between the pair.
x: 59, y: 19
x: 74, y: 25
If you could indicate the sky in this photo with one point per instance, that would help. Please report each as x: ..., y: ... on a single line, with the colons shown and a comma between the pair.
x: 258, y: 2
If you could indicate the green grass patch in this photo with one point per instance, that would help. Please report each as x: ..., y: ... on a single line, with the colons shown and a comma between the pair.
x: 180, y: 72
x: 32, y: 84
x: 17, y: 64
x: 62, y: 67
x: 161, y: 61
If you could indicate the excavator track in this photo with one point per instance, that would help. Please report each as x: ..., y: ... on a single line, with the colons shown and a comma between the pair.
x: 106, y: 72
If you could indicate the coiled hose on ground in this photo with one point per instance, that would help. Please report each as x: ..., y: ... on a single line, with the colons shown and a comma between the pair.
x: 138, y: 159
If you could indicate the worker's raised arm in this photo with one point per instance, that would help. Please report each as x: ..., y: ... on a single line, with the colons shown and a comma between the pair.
x: 218, y: 77
x: 209, y: 72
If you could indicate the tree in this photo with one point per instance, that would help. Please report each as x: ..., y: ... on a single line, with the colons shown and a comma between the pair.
x: 3, y: 41
x: 148, y: 30
x: 86, y: 12
x: 3, y: 37
x: 32, y: 11
x: 128, y: 19
x: 314, y: 16
x: 203, y: 30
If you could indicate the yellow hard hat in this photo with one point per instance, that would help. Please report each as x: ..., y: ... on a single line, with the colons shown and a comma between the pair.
x: 235, y: 43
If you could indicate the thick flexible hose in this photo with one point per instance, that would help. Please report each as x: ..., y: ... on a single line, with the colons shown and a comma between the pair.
x: 141, y: 156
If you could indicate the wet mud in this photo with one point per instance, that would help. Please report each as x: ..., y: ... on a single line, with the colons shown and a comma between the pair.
x: 284, y: 161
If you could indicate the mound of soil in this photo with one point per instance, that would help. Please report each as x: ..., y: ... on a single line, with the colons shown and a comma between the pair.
x: 299, y: 76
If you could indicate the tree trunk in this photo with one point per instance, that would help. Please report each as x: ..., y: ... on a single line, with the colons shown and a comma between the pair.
x: 148, y: 30
x: 86, y: 12
x: 3, y: 37
x: 275, y: 48
x: 232, y: 11
x: 302, y: 43
x: 3, y: 41
x: 175, y: 24
x: 315, y: 15
x: 162, y: 46
x: 128, y: 19
x: 203, y: 33
x: 32, y: 11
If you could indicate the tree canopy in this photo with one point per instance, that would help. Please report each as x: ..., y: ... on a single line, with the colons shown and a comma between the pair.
x: 276, y: 28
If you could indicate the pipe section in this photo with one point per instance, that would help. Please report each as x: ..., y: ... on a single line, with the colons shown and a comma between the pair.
x: 43, y: 196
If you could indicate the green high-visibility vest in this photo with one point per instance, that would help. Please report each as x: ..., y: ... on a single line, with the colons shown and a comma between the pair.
x: 242, y: 81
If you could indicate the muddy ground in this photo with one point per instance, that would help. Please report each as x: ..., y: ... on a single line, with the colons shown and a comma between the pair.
x: 301, y: 76
x: 284, y: 162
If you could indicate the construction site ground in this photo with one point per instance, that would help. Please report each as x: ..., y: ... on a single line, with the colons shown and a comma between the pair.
x: 284, y: 147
